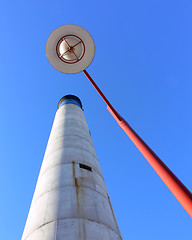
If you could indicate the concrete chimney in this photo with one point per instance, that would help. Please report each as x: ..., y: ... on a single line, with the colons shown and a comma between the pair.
x: 71, y: 201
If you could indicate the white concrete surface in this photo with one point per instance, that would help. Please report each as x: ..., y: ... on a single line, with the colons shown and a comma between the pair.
x: 70, y: 203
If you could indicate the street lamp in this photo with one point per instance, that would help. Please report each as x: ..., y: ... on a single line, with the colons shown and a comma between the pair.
x: 70, y: 49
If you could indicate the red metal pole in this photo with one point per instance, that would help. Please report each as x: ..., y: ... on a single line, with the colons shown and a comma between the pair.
x: 178, y: 189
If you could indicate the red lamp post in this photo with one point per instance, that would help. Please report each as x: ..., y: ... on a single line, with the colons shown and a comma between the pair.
x: 178, y: 189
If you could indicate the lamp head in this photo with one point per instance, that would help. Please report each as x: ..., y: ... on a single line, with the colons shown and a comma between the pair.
x: 70, y: 49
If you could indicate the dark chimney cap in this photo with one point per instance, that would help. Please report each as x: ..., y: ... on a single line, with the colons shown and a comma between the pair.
x: 69, y: 99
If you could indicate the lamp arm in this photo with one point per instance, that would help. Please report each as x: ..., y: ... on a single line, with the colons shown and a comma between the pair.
x: 182, y: 194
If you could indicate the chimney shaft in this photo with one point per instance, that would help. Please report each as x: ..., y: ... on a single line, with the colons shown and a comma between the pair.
x: 71, y: 201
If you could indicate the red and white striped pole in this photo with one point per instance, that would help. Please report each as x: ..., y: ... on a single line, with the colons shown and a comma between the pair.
x: 182, y: 194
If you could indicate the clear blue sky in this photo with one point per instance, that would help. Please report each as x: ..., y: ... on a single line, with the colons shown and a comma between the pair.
x: 143, y: 64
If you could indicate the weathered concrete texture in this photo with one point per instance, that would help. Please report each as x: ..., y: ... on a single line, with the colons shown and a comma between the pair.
x: 70, y: 203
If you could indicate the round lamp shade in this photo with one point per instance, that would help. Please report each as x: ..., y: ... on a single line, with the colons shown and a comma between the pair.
x: 70, y: 49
